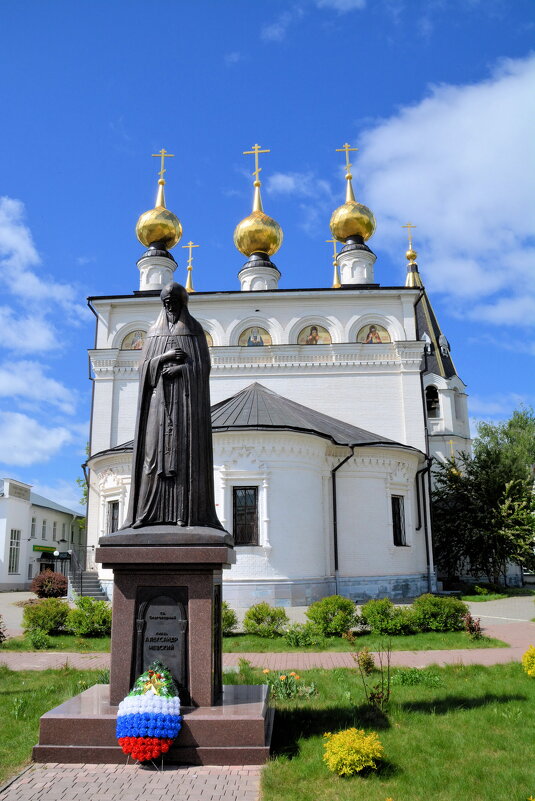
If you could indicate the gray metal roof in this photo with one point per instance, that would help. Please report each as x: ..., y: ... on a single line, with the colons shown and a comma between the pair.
x: 40, y: 500
x: 257, y: 407
x: 261, y: 409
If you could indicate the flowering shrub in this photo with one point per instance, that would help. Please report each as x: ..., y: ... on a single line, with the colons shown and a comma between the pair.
x: 229, y: 619
x: 301, y: 635
x: 91, y: 618
x: 286, y: 685
x: 528, y: 661
x: 48, y: 615
x: 265, y: 620
x: 49, y: 585
x: 333, y: 615
x: 350, y: 751
x: 472, y: 626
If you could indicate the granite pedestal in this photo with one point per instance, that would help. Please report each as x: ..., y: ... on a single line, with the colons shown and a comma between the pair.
x: 166, y: 606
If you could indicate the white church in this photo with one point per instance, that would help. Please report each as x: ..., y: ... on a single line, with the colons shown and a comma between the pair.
x: 327, y: 405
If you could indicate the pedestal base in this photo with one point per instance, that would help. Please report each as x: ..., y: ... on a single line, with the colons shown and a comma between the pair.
x: 236, y: 732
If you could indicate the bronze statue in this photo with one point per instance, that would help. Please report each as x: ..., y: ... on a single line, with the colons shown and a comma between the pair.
x: 172, y: 468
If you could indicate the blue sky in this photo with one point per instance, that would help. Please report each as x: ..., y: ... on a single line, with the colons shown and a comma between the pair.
x: 437, y: 95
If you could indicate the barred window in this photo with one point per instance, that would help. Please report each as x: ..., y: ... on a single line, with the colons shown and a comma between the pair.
x: 398, y: 520
x: 113, y: 516
x: 14, y: 551
x: 245, y: 515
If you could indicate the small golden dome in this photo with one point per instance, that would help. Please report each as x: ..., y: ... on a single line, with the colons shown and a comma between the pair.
x: 352, y: 219
x: 411, y: 255
x: 258, y: 233
x: 159, y: 224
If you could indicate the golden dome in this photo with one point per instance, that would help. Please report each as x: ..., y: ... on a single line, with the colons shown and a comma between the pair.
x: 352, y: 219
x: 159, y: 224
x: 258, y: 233
x: 411, y: 254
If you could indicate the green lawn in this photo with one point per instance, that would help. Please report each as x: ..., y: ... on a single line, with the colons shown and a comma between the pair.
x: 429, y: 641
x: 25, y: 695
x: 468, y: 739
x: 513, y: 592
x: 61, y: 642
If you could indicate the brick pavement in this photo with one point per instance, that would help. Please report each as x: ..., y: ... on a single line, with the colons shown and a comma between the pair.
x: 55, y: 782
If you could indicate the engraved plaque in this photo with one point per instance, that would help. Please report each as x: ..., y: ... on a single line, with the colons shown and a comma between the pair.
x: 161, y: 634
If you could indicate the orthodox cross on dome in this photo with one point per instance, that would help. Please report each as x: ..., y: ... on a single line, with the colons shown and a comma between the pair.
x: 346, y: 149
x: 256, y: 149
x: 189, y: 282
x: 336, y: 275
x: 335, y: 252
x: 408, y: 226
x: 163, y: 154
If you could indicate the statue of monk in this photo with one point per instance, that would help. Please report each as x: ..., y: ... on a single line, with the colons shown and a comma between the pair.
x: 172, y: 468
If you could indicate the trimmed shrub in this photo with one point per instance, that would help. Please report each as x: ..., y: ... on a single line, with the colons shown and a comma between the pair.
x: 49, y: 585
x: 334, y: 615
x: 384, y: 618
x: 48, y: 615
x: 435, y: 613
x: 265, y: 620
x: 303, y: 635
x: 91, y: 618
x: 350, y: 751
x: 229, y: 620
x: 38, y: 639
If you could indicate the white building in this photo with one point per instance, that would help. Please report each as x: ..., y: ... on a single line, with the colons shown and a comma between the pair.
x: 32, y: 530
x: 326, y: 405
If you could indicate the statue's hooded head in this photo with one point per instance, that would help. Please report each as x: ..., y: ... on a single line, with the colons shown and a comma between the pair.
x: 174, y: 298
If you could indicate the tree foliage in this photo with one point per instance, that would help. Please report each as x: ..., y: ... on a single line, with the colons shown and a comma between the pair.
x: 483, y: 505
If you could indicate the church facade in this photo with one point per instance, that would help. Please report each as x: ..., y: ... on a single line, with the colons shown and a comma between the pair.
x: 327, y: 405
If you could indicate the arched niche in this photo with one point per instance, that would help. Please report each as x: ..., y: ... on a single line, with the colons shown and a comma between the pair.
x: 432, y: 402
x: 373, y: 334
x: 314, y: 334
x: 134, y: 340
x: 254, y: 336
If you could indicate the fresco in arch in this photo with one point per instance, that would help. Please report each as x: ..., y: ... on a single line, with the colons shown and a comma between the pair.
x: 373, y: 334
x: 314, y: 335
x: 254, y: 337
x: 134, y: 340
x: 209, y: 340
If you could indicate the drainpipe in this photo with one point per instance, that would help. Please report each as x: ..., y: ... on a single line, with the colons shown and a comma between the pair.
x: 335, y: 513
x: 422, y: 512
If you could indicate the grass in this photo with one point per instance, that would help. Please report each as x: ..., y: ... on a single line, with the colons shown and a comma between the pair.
x: 25, y: 695
x: 61, y: 642
x: 428, y: 641
x: 469, y: 738
x: 512, y: 592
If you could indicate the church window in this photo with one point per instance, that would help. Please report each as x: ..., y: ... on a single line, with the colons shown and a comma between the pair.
x: 432, y: 402
x: 32, y: 533
x: 314, y: 335
x: 14, y: 551
x: 254, y: 337
x: 373, y: 334
x: 398, y: 520
x: 113, y: 517
x: 245, y: 515
x: 133, y: 341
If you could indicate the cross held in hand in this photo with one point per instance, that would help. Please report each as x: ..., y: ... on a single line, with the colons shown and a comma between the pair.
x: 163, y: 154
x: 255, y: 150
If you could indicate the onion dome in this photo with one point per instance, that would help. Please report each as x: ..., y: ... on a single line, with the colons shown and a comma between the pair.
x: 352, y: 219
x: 159, y: 225
x: 258, y: 233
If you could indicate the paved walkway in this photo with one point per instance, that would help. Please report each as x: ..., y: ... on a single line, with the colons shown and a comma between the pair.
x: 132, y: 783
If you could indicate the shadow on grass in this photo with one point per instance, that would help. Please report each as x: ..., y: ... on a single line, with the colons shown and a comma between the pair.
x: 441, y: 706
x: 293, y: 724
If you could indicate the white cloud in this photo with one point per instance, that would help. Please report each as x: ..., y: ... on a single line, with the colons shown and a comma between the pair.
x: 276, y: 31
x: 66, y: 493
x: 457, y: 164
x: 27, y: 380
x: 24, y: 441
x: 27, y: 333
x: 342, y: 6
x: 233, y: 57
x: 318, y: 193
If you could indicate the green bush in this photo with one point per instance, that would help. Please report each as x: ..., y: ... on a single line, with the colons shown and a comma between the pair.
x: 3, y: 635
x: 229, y: 620
x: 334, y: 615
x: 265, y: 620
x: 49, y: 585
x: 384, y: 618
x: 435, y: 613
x: 48, y: 615
x: 91, y: 618
x: 303, y: 635
x: 38, y: 639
